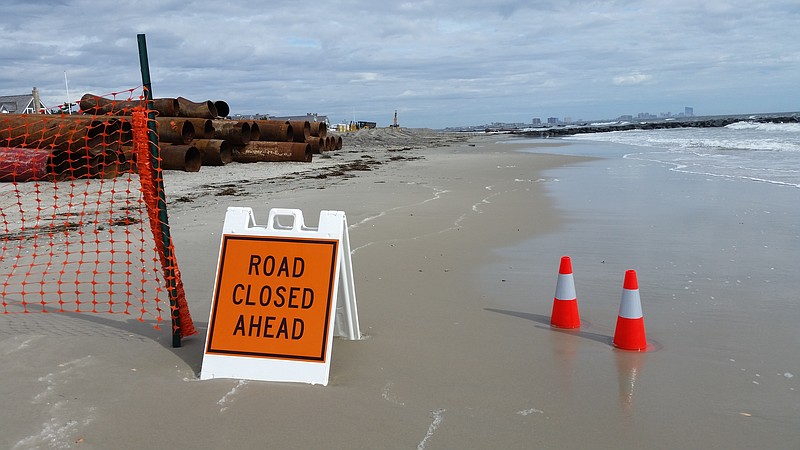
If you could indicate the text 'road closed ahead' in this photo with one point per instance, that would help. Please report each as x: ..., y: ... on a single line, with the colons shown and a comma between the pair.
x: 273, y: 297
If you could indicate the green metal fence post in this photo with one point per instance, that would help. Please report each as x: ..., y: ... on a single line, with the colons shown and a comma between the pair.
x: 169, y: 271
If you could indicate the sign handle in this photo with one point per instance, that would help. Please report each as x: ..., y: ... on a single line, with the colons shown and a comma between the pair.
x: 278, y: 220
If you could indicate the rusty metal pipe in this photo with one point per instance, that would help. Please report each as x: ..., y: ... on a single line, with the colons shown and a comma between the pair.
x: 317, y: 144
x: 60, y: 132
x: 338, y: 143
x: 101, y: 162
x: 43, y: 130
x: 214, y: 152
x: 180, y: 157
x: 203, y: 128
x: 301, y: 130
x: 26, y: 164
x: 222, y: 108
x: 94, y: 104
x: 107, y: 165
x: 202, y: 110
x: 275, y: 130
x: 319, y: 129
x: 174, y: 130
x: 238, y: 132
x: 255, y: 131
x: 125, y: 134
x: 259, y: 151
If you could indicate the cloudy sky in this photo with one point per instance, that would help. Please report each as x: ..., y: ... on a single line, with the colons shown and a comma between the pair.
x: 438, y: 63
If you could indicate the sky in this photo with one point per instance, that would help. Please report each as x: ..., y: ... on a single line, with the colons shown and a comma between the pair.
x: 443, y: 63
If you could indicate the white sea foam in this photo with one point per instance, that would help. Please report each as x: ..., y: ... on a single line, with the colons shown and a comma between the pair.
x: 763, y: 152
x: 438, y: 417
x: 228, y: 397
x: 770, y: 127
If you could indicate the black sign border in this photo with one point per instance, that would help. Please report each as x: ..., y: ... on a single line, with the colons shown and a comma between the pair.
x: 334, y: 243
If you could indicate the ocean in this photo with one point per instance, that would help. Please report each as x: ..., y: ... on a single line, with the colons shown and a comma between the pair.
x: 748, y: 151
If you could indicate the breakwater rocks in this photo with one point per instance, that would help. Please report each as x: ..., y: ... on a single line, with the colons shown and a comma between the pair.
x: 693, y: 122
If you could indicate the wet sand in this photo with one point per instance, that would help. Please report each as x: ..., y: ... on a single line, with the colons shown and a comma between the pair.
x: 715, y: 259
x: 455, y: 248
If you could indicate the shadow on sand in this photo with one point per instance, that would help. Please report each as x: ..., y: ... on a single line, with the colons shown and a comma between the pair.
x: 544, y: 323
x: 107, y: 326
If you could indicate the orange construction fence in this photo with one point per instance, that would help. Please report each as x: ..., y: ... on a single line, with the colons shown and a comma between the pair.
x: 83, y: 219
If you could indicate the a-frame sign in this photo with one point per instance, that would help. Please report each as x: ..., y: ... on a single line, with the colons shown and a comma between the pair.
x: 282, y: 292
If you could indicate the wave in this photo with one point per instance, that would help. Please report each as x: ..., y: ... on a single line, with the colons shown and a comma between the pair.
x: 745, y: 136
x: 762, y: 152
x: 767, y: 127
x: 779, y: 177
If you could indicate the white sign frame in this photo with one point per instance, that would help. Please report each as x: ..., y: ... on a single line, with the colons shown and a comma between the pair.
x: 343, y: 318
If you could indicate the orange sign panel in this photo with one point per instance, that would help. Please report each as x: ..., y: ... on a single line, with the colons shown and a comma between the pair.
x: 273, y: 297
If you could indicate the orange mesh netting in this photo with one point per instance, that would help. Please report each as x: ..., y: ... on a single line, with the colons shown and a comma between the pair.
x: 83, y: 216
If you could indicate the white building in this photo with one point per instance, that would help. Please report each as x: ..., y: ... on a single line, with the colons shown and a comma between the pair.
x: 23, y: 104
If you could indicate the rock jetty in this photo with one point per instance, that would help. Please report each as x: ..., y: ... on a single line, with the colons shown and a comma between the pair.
x: 688, y: 122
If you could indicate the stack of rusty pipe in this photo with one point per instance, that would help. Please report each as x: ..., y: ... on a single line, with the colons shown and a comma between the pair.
x: 39, y: 147
x: 322, y: 140
x: 99, y: 142
x: 245, y: 139
x: 183, y: 126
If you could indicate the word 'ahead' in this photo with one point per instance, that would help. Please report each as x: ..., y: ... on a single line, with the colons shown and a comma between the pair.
x: 273, y: 297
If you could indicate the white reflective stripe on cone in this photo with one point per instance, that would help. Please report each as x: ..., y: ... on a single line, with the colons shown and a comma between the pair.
x: 631, y: 305
x: 565, y: 287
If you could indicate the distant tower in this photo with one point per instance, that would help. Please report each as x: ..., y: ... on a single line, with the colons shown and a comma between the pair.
x: 688, y: 111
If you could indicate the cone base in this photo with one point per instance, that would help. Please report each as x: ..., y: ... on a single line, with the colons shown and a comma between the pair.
x: 630, y: 334
x: 565, y: 314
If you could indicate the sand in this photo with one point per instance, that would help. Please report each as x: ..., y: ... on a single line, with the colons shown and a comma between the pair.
x: 455, y: 246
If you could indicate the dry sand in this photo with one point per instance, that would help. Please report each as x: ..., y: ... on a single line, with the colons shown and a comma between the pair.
x: 457, y: 351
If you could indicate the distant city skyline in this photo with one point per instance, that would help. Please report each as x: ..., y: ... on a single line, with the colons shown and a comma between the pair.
x: 688, y: 111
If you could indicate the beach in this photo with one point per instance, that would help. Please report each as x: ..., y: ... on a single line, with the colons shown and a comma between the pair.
x: 456, y: 241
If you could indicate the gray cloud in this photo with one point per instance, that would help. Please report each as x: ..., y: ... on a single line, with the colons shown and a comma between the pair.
x: 438, y: 63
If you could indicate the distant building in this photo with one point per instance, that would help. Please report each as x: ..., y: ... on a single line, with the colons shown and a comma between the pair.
x: 688, y: 111
x: 311, y: 117
x: 364, y: 124
x: 536, y: 121
x: 567, y: 119
x: 552, y: 120
x: 23, y: 104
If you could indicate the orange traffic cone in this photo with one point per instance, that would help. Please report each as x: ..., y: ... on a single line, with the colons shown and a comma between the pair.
x: 565, y: 304
x: 630, y: 334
